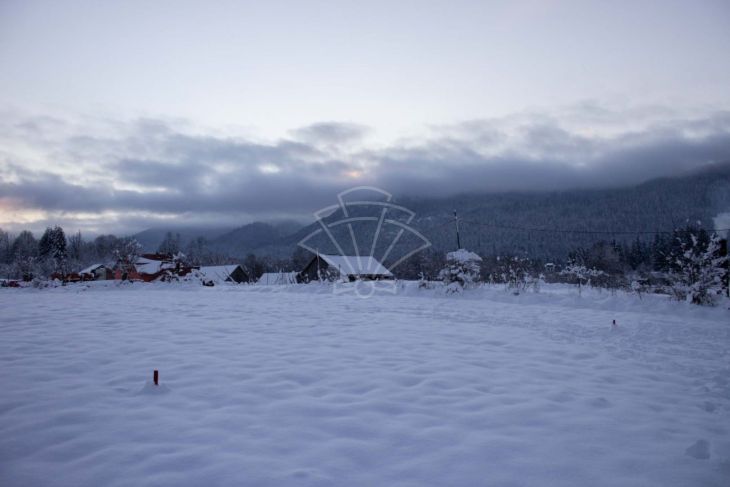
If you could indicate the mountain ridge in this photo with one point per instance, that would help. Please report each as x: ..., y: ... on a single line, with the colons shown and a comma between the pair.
x: 539, y: 224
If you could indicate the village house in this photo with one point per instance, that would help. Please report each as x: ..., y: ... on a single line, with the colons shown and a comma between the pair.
x: 347, y: 267
x: 277, y: 278
x: 96, y: 272
x: 151, y: 267
x: 224, y: 273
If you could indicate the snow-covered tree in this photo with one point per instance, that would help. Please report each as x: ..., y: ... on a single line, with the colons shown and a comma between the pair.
x: 515, y: 272
x: 6, y: 255
x: 639, y: 287
x: 580, y: 274
x: 52, y: 251
x: 127, y: 251
x: 44, y: 244
x: 698, y: 269
x: 58, y: 250
x: 462, y: 269
x: 25, y: 256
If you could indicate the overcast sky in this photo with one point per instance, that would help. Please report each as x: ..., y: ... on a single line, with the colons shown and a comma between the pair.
x: 115, y: 116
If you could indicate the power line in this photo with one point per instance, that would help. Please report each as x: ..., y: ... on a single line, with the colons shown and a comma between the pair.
x: 581, y: 232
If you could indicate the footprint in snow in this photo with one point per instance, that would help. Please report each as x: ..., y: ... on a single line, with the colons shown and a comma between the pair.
x: 584, y: 356
x: 709, y: 406
x: 699, y: 450
x: 563, y: 396
x: 600, y: 403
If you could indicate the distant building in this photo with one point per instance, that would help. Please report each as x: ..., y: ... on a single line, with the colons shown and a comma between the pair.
x: 151, y: 267
x: 66, y: 277
x: 96, y: 272
x: 348, y: 267
x: 277, y: 278
x: 224, y: 273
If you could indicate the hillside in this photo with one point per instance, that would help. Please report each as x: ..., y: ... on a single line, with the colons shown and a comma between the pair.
x: 496, y: 224
x: 151, y: 238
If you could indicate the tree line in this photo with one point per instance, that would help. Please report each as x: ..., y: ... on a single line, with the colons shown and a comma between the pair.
x: 24, y: 257
x: 690, y: 264
x: 678, y: 263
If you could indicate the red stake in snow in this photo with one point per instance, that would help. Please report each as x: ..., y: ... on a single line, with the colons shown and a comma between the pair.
x: 156, y: 377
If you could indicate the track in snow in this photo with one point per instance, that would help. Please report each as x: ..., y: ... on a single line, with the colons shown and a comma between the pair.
x: 289, y: 387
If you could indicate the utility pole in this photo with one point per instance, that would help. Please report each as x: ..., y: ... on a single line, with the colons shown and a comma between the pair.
x: 319, y: 276
x: 724, y: 247
x: 456, y: 222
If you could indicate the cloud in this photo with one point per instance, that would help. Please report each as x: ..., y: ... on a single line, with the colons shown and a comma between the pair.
x: 147, y: 171
x: 331, y: 133
x: 541, y: 155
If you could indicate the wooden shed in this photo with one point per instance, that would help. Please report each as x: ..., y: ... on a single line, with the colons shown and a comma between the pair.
x: 348, y: 267
x: 225, y: 273
x: 96, y: 272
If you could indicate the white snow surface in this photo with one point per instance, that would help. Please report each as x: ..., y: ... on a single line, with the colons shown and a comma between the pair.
x: 296, y: 386
x: 356, y: 264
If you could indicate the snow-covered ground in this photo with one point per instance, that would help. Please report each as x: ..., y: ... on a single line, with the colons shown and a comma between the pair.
x: 297, y: 386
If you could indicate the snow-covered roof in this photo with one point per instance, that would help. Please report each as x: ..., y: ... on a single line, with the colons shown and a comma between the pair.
x: 91, y: 269
x: 462, y: 255
x: 152, y: 266
x: 218, y: 272
x: 277, y: 278
x: 359, y: 265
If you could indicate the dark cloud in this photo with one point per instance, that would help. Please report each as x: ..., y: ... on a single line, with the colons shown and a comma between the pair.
x: 151, y: 172
x: 547, y: 157
x: 331, y: 132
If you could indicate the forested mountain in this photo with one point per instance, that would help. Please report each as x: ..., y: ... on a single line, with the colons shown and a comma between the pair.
x: 620, y: 227
x: 546, y: 225
x: 151, y: 238
x: 254, y: 238
x: 494, y: 224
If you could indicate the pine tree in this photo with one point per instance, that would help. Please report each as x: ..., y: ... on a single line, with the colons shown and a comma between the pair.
x: 44, y: 244
x: 698, y: 268
x: 197, y: 251
x: 25, y: 256
x: 59, y: 255
x: 170, y: 244
x: 105, y: 247
x: 126, y: 252
x: 461, y: 271
x: 661, y: 253
x: 254, y: 267
x: 5, y: 254
x: 52, y: 251
x: 5, y: 248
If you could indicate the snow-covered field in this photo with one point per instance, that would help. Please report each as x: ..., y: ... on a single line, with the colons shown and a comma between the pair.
x: 296, y: 386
